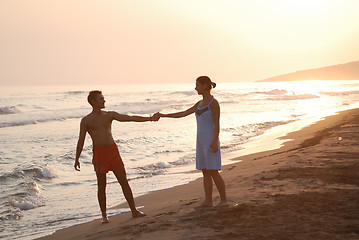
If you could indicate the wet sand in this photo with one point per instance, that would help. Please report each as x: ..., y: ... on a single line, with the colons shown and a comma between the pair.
x: 307, y: 189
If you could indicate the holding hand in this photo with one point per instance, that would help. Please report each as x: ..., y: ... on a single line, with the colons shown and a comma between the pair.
x: 155, y: 117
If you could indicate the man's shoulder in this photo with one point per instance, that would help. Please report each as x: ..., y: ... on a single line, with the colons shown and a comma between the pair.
x: 91, y: 114
x: 108, y: 112
x: 87, y: 117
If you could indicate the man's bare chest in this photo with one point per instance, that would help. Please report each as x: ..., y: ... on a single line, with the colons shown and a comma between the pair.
x: 98, y: 123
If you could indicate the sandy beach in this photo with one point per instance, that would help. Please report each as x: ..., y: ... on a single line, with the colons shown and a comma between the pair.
x: 307, y: 189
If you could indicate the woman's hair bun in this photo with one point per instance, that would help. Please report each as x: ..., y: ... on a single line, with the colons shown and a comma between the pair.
x: 206, y: 80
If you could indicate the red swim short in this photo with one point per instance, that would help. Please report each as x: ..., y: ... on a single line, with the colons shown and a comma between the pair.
x: 107, y: 158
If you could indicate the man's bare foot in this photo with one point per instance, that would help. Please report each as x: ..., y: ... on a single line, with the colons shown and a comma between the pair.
x: 105, y: 219
x: 222, y: 204
x: 205, y: 205
x: 138, y: 214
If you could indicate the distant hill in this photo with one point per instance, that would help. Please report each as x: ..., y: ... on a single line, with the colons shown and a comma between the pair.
x: 347, y: 71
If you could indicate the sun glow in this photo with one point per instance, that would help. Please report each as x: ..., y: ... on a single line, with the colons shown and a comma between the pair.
x: 172, y: 41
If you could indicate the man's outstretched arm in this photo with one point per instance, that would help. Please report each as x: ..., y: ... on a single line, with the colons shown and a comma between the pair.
x: 80, y: 144
x: 127, y: 118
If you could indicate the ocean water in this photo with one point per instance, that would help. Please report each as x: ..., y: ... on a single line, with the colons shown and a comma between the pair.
x: 40, y: 190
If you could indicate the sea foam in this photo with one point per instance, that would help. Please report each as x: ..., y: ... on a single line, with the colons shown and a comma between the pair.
x: 9, y: 110
x: 28, y: 202
x: 32, y: 199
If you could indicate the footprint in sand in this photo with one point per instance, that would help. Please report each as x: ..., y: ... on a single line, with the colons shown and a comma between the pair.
x: 190, y: 202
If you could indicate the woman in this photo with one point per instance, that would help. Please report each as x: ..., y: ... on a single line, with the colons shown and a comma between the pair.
x: 208, y: 155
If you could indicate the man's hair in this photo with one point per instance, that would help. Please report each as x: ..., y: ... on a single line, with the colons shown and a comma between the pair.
x: 92, y: 96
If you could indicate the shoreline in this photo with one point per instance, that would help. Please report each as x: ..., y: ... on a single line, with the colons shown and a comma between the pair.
x: 257, y: 187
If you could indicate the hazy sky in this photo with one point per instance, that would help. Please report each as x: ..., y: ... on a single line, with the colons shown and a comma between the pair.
x: 171, y: 41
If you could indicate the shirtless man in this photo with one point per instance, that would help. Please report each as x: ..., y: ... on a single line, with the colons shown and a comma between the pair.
x: 106, y: 156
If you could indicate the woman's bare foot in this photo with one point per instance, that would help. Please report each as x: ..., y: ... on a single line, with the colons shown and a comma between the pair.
x: 138, y: 214
x: 222, y: 204
x: 105, y: 219
x: 205, y: 205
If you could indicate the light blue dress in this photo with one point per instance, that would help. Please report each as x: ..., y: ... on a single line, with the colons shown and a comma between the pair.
x: 205, y: 158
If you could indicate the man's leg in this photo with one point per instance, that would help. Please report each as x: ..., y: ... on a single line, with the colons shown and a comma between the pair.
x: 101, y: 195
x: 126, y: 189
x: 218, y: 180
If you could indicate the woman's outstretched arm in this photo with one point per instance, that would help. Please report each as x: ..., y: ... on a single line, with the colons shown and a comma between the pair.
x: 181, y: 114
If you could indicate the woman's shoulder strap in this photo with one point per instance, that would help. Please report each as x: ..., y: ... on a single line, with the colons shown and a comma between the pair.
x: 210, y: 101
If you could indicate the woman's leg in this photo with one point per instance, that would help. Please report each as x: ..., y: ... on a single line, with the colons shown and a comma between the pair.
x: 221, y: 187
x: 208, y: 187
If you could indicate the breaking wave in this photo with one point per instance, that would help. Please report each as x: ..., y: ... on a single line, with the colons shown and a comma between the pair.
x: 273, y: 92
x: 9, y: 110
x: 45, y: 172
x: 31, y: 199
x: 161, y: 167
x: 28, y: 202
x: 345, y: 93
x: 293, y: 97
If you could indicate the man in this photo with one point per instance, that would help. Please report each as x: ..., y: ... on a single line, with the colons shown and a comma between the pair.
x: 106, y: 156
